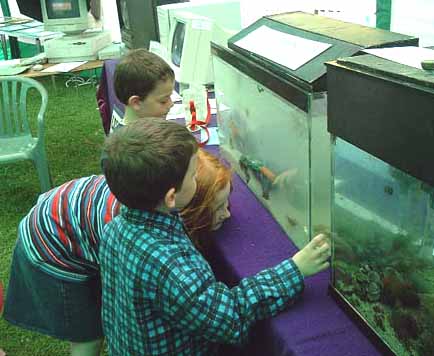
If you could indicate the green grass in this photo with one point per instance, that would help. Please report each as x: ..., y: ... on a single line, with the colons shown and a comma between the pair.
x: 74, y: 136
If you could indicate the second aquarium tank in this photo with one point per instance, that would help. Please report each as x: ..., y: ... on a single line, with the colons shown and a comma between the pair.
x: 381, y: 117
x: 383, y: 264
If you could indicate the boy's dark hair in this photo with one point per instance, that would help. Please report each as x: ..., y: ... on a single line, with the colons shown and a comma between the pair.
x: 146, y: 158
x: 138, y: 72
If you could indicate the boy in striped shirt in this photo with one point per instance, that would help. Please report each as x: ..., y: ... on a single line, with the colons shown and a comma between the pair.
x: 54, y: 287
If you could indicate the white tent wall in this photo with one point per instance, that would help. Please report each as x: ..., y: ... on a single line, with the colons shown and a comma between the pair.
x: 408, y: 17
x: 415, y: 18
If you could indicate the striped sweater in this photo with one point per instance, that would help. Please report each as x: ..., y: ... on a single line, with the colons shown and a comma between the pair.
x: 61, y: 233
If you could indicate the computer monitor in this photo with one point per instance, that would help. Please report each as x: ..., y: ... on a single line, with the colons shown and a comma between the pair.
x: 67, y: 16
x: 32, y: 8
x: 72, y: 18
x: 190, y: 47
x: 225, y: 13
x: 138, y: 21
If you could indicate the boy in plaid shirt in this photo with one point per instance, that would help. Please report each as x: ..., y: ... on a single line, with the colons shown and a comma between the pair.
x: 160, y: 296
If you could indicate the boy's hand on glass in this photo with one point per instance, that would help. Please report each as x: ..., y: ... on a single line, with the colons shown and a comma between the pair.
x: 314, y: 257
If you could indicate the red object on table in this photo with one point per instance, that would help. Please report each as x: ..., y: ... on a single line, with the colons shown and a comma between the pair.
x: 199, y: 123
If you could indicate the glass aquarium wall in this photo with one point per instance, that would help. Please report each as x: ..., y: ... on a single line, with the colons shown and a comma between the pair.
x: 320, y: 165
x: 279, y: 150
x: 383, y: 248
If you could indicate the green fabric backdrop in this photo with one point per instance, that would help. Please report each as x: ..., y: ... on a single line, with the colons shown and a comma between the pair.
x: 384, y: 14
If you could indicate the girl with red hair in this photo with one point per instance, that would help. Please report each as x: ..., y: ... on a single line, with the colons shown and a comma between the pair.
x: 209, y: 207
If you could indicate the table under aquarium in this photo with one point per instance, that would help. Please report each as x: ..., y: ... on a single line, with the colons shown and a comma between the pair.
x: 381, y: 117
x: 272, y: 111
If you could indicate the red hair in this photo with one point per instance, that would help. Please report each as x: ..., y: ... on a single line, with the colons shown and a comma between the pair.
x: 212, y: 177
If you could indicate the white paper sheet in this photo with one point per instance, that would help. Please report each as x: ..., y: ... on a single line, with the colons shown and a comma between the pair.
x: 46, y: 34
x: 35, y: 31
x: 10, y: 62
x: 411, y: 56
x: 176, y: 112
x: 175, y: 97
x: 212, y: 103
x: 213, y: 136
x: 63, y: 67
x: 282, y: 48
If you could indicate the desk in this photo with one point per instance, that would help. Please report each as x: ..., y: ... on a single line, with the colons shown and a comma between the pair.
x: 22, y: 28
x: 37, y: 74
x: 251, y: 241
x: 86, y: 66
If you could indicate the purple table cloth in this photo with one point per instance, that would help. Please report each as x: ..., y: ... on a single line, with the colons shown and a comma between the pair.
x: 250, y: 241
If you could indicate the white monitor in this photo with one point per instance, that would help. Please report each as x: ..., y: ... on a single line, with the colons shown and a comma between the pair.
x: 68, y: 16
x: 225, y: 13
x: 190, y: 47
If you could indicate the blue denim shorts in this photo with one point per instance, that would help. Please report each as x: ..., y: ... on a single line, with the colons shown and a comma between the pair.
x: 40, y: 302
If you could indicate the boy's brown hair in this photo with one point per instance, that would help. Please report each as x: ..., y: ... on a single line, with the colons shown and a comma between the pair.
x: 138, y: 72
x: 143, y: 160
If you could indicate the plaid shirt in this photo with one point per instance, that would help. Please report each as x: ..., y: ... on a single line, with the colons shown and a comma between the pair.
x: 160, y: 296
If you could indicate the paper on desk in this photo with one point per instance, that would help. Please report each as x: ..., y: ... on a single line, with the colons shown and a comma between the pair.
x: 13, y: 70
x: 63, y: 67
x: 46, y: 34
x: 281, y: 47
x: 12, y: 67
x: 33, y: 31
x: 411, y: 56
x: 212, y: 103
x: 12, y: 28
x: 213, y: 136
x: 176, y: 112
x: 34, y: 24
x: 10, y: 63
x: 175, y: 96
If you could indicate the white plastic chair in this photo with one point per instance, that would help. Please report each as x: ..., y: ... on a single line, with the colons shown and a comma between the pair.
x: 16, y: 140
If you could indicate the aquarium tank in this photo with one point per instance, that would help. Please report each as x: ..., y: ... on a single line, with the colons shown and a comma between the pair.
x: 272, y: 111
x: 381, y: 118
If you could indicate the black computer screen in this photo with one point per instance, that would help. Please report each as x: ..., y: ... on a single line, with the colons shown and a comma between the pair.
x: 62, y: 9
x: 32, y: 8
x: 178, y: 42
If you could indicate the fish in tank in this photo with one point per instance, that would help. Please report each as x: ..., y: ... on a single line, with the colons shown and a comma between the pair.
x: 383, y: 248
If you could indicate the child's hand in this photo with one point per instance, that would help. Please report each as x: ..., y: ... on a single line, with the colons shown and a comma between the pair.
x: 313, y: 258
